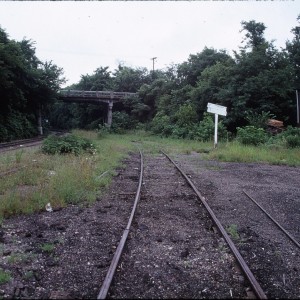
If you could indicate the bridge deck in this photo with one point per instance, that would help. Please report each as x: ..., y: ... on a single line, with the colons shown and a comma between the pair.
x: 94, y: 95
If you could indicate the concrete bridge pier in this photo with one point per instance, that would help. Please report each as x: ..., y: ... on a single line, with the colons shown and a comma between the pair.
x: 109, y: 113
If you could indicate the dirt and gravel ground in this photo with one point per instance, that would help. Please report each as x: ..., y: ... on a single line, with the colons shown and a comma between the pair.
x: 173, y: 249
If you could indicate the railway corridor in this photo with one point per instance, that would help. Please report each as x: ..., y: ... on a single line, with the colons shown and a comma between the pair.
x: 173, y: 250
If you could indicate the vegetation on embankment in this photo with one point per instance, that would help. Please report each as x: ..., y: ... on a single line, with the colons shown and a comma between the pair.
x: 256, y: 81
x: 30, y: 178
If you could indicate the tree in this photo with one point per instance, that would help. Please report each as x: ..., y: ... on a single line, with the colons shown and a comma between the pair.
x: 261, y: 79
x: 189, y: 71
x: 293, y: 50
x: 25, y: 84
x: 214, y: 85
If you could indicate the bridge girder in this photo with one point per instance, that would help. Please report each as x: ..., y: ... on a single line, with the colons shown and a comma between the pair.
x: 95, y: 97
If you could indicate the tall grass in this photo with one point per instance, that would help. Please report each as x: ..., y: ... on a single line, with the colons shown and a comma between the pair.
x: 59, y: 179
x: 63, y: 179
x: 235, y: 152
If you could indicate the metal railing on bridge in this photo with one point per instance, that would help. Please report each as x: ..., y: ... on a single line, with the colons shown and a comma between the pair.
x: 105, y: 95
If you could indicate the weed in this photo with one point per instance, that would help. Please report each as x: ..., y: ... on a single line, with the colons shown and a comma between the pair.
x: 19, y: 155
x: 233, y: 231
x: 28, y: 275
x: 4, y: 276
x: 19, y: 257
x: 47, y: 247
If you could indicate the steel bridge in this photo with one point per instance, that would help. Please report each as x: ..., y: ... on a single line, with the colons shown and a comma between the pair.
x: 108, y: 97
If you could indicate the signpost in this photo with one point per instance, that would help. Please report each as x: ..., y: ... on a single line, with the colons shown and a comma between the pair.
x: 217, y: 110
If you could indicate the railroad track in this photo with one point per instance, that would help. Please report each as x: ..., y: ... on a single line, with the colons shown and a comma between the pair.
x: 19, y: 144
x: 184, y: 249
x: 264, y: 216
x: 173, y: 248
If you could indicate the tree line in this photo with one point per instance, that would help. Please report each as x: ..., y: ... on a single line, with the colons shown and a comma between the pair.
x: 27, y: 85
x: 257, y: 82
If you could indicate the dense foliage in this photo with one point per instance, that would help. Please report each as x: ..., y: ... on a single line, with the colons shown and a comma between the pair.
x: 256, y: 83
x: 27, y: 85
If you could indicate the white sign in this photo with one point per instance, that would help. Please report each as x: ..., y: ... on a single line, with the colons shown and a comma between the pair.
x: 216, y: 109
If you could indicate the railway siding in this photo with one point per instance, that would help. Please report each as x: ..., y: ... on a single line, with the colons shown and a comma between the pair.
x: 272, y: 257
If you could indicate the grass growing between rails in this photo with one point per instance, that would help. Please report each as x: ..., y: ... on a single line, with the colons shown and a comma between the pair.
x: 32, y: 178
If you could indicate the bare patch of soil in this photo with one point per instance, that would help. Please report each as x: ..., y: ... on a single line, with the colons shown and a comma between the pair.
x: 173, y: 250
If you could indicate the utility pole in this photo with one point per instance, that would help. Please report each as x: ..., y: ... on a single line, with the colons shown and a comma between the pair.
x: 297, y: 104
x: 153, y: 58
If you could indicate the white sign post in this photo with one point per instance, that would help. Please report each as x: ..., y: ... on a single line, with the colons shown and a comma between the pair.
x: 217, y: 110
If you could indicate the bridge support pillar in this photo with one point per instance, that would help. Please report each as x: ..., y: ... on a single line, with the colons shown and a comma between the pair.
x: 109, y: 113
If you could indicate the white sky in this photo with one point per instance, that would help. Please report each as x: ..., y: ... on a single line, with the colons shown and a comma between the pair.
x: 80, y: 36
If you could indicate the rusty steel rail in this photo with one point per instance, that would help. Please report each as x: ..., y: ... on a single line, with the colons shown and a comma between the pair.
x: 284, y: 230
x: 19, y: 142
x: 113, y: 266
x: 254, y: 283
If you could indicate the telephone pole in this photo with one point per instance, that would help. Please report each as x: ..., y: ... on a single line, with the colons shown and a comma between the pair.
x: 153, y: 58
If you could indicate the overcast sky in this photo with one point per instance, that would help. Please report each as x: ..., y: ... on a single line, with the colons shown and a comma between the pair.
x: 80, y: 36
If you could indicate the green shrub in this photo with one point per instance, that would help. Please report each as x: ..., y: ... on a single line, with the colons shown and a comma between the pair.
x: 186, y: 116
x: 161, y: 124
x: 121, y: 121
x: 251, y: 135
x: 67, y: 144
x: 102, y: 130
x: 180, y: 132
x: 293, y: 141
x: 290, y: 138
x: 17, y: 125
x: 258, y: 120
x: 205, y: 131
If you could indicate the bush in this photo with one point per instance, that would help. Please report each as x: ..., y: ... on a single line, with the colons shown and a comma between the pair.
x: 161, y: 124
x: 258, y: 120
x: 186, y: 116
x: 121, y: 121
x: 293, y: 141
x: 205, y: 131
x: 180, y: 132
x: 291, y: 136
x: 251, y: 135
x: 67, y: 144
x: 102, y: 130
x: 17, y: 126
